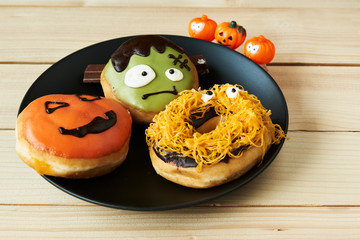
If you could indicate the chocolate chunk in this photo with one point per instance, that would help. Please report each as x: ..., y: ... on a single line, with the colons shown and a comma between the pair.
x: 92, y: 73
x: 200, y: 64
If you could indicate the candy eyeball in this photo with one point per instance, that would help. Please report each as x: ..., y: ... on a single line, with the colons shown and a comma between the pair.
x: 252, y: 48
x: 174, y: 74
x: 207, y: 96
x: 197, y: 27
x: 232, y: 92
x: 139, y: 76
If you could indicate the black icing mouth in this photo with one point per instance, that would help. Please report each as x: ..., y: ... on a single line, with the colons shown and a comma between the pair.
x: 97, y: 125
x: 174, y: 91
x: 223, y: 44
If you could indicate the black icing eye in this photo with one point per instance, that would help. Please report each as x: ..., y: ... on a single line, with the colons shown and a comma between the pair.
x: 144, y: 73
x: 221, y: 34
x: 230, y: 38
x: 171, y: 71
x: 210, y: 93
x: 55, y: 106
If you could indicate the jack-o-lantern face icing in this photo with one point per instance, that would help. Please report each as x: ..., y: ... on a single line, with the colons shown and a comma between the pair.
x: 147, y: 72
x: 76, y: 126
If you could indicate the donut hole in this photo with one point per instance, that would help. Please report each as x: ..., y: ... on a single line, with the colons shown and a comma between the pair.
x: 209, y: 125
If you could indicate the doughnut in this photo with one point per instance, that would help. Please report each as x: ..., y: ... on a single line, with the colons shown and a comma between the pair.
x: 73, y: 136
x: 145, y: 73
x: 205, y: 138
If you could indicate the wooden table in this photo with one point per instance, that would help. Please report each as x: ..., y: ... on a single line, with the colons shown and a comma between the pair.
x: 310, y: 191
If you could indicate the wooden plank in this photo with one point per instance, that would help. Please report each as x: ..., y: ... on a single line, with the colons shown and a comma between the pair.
x: 313, y: 168
x: 90, y: 222
x: 15, y: 80
x: 318, y: 98
x: 301, y: 35
x: 188, y: 3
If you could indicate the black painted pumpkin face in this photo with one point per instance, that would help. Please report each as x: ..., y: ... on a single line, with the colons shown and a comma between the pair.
x: 97, y: 125
x: 230, y: 35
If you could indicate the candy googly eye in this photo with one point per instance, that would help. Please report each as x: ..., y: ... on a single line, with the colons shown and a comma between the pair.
x: 207, y: 96
x: 193, y: 25
x: 232, y: 92
x: 174, y: 74
x: 254, y: 49
x: 197, y: 26
x: 139, y: 76
x: 249, y: 46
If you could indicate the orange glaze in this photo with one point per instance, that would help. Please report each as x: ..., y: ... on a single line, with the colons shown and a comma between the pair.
x: 41, y: 129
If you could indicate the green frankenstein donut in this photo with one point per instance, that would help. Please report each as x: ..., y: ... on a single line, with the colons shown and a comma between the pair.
x: 147, y: 72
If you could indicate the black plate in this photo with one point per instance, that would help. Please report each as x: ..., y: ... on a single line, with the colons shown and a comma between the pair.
x: 135, y: 185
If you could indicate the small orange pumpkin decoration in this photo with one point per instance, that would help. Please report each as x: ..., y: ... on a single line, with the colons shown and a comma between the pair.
x: 259, y: 49
x: 202, y: 28
x: 230, y: 34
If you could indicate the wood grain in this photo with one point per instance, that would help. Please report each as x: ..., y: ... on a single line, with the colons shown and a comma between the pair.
x: 16, y: 79
x: 298, y: 34
x: 320, y: 98
x: 188, y: 3
x: 310, y: 191
x: 92, y: 222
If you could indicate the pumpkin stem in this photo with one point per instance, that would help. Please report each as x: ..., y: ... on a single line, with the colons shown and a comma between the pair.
x: 203, y: 17
x: 233, y: 24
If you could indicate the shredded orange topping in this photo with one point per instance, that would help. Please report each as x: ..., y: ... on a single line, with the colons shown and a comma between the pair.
x: 242, y: 120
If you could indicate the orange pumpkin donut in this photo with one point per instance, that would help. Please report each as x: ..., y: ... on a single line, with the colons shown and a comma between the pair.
x: 73, y: 136
x: 206, y: 138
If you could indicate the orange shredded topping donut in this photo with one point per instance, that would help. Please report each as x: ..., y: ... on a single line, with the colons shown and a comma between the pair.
x: 242, y: 120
